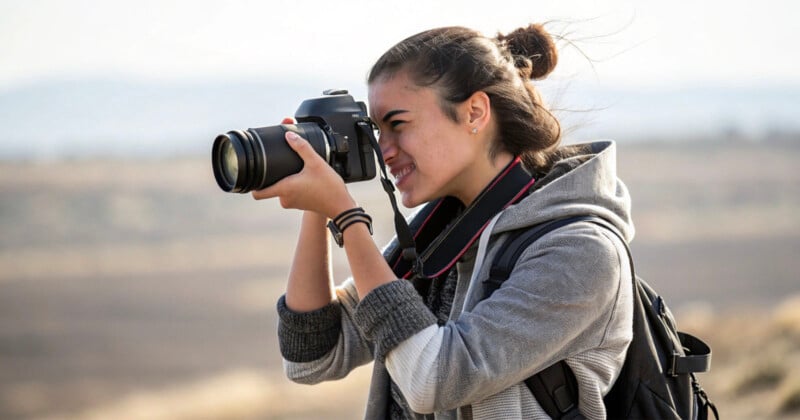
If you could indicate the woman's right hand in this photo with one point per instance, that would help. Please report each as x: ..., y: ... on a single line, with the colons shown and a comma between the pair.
x: 317, y: 187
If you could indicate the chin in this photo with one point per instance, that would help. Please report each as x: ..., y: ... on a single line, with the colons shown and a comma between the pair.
x: 410, y: 201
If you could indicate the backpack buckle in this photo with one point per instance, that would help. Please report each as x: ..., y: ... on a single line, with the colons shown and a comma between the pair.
x: 673, y: 368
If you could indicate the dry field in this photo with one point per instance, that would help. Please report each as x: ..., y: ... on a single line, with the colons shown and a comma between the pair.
x: 138, y: 290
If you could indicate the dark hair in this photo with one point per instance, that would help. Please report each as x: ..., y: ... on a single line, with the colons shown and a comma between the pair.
x: 459, y: 61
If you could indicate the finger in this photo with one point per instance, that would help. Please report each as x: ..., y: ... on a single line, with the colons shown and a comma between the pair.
x: 301, y: 146
x: 269, y: 192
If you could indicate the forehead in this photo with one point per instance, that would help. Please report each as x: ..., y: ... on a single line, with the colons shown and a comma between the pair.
x: 396, y: 91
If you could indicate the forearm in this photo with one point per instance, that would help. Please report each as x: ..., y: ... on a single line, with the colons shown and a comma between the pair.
x: 310, y: 285
x: 367, y: 265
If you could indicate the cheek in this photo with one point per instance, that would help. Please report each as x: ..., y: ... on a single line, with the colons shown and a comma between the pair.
x: 430, y: 144
x: 446, y: 151
x: 435, y: 152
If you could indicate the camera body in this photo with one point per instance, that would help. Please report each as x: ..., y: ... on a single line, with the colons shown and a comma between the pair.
x: 337, y: 127
x: 348, y: 129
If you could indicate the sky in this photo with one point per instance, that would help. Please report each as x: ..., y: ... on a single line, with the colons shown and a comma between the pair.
x: 629, y: 43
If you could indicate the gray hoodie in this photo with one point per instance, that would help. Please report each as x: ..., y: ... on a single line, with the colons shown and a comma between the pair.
x: 568, y: 298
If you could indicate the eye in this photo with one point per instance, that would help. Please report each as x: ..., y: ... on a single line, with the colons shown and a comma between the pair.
x: 395, y: 123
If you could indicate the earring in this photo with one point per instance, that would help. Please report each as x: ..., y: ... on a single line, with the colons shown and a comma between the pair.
x: 474, y: 130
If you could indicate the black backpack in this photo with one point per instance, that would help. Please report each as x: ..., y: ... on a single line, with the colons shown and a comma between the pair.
x: 657, y: 380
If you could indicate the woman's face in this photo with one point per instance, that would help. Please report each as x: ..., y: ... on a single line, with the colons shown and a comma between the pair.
x: 429, y: 154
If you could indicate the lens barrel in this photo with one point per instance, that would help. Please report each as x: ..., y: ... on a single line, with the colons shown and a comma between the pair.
x: 252, y: 159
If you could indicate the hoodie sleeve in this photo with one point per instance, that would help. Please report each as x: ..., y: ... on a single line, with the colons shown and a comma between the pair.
x: 324, y: 344
x: 391, y: 313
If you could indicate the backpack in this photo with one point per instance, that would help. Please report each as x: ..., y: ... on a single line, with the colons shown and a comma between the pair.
x: 657, y: 380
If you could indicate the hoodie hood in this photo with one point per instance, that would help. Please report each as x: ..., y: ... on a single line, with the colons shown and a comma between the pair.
x: 584, y: 182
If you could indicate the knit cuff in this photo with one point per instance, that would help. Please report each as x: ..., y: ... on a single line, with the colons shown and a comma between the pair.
x: 307, y: 336
x: 390, y: 314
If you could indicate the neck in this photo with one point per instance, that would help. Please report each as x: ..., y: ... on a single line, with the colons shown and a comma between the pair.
x: 481, y: 177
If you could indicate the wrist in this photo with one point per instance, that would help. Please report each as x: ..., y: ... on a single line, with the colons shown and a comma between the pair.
x: 341, y: 207
x: 313, y: 218
x: 346, y: 219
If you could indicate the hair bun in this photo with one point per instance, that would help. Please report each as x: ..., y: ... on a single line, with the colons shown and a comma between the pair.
x: 533, y: 49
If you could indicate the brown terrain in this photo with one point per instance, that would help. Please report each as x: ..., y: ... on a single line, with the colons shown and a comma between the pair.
x: 139, y: 290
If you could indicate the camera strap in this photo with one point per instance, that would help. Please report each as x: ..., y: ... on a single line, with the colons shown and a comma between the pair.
x: 404, y: 236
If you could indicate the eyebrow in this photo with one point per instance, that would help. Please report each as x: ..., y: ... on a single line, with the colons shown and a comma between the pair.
x: 392, y: 113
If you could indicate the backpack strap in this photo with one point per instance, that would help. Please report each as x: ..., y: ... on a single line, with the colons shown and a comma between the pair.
x: 556, y: 390
x: 697, y: 359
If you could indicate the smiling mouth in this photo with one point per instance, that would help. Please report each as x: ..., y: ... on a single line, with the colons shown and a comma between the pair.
x: 400, y: 174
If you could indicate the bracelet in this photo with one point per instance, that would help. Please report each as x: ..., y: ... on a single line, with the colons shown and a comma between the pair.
x: 338, y: 219
x: 338, y: 224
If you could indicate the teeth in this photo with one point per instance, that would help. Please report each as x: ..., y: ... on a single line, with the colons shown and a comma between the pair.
x: 403, y: 172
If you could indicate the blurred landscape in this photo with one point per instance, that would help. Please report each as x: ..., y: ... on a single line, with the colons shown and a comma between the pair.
x: 136, y: 289
x: 74, y: 118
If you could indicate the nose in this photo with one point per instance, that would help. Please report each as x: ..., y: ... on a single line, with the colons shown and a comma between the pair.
x: 388, y: 148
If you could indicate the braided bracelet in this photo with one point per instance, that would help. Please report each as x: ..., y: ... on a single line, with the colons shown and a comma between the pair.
x: 338, y: 224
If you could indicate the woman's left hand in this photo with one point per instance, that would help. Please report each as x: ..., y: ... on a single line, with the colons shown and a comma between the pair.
x: 317, y: 187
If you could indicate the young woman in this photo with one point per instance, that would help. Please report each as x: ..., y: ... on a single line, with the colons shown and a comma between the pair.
x: 463, y: 128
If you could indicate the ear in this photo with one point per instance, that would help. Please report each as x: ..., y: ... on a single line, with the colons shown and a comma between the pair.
x: 478, y: 109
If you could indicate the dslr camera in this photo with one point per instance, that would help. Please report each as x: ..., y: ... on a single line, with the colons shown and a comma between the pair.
x: 337, y: 127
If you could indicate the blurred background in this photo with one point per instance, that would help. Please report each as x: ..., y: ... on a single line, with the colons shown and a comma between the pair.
x: 132, y: 287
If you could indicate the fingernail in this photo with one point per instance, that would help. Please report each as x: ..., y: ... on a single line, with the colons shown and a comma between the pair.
x: 291, y: 135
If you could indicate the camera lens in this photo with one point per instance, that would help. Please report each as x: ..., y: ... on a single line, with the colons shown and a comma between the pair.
x: 229, y: 162
x: 252, y: 159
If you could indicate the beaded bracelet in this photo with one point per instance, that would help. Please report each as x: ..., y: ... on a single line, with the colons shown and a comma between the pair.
x: 347, y: 218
